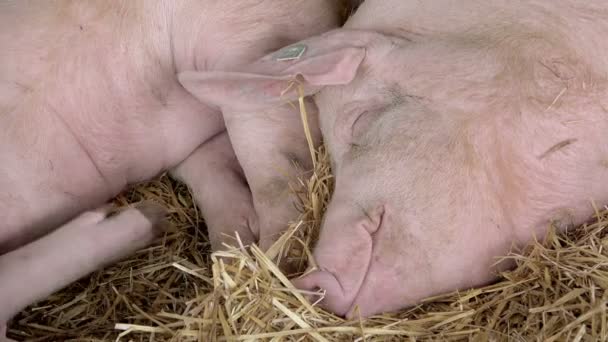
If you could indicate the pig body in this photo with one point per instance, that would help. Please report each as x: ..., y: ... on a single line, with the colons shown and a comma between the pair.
x: 457, y: 130
x: 90, y: 102
x: 88, y: 107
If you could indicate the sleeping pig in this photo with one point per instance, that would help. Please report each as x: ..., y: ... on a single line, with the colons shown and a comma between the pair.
x: 90, y: 102
x: 457, y: 130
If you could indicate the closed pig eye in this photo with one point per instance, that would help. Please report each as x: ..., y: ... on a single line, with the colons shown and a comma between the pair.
x: 363, y: 121
x: 368, y: 115
x: 356, y: 120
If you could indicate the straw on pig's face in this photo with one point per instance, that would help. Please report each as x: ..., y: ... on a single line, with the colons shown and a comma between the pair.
x: 424, y: 170
x: 406, y: 167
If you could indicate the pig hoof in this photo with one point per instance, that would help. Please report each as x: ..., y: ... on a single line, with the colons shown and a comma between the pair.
x: 157, y: 215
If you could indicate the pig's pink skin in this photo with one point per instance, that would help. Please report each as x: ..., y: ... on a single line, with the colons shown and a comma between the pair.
x: 268, y: 153
x: 86, y: 243
x: 90, y: 102
x: 468, y: 128
x: 221, y: 175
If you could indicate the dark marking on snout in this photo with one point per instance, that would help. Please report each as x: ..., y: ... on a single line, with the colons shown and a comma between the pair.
x: 557, y: 147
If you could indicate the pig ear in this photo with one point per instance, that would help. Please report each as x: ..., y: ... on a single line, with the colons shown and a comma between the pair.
x: 271, y: 80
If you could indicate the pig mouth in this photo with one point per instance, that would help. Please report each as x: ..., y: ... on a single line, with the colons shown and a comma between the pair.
x: 343, y: 278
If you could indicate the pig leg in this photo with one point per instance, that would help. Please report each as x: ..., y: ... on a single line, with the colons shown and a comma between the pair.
x: 273, y: 155
x: 83, y: 245
x: 218, y: 186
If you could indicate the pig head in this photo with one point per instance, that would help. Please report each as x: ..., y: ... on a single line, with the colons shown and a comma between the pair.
x: 447, y: 152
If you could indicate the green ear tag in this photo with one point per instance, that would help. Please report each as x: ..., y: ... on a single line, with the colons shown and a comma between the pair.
x: 290, y: 53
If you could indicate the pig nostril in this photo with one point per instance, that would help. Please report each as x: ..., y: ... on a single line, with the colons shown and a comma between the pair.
x: 372, y: 219
x: 316, y: 296
x: 327, y: 290
x: 310, y: 290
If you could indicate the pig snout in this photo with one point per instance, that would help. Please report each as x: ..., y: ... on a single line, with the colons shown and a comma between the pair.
x: 344, y: 254
x: 372, y: 261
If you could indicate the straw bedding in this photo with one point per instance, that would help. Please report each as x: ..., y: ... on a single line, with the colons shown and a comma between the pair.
x: 176, y: 291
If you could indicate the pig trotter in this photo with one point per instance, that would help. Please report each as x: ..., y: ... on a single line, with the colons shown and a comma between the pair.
x: 218, y: 186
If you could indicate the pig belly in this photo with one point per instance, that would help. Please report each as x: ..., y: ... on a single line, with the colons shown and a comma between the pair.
x: 45, y: 177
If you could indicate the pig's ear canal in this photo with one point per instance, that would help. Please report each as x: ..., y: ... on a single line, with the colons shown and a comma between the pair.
x: 270, y: 80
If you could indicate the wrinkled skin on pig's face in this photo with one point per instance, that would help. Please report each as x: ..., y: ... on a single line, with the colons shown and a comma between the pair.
x: 407, y: 187
x: 440, y: 169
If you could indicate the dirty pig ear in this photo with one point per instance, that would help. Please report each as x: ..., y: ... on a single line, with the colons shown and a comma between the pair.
x: 270, y: 80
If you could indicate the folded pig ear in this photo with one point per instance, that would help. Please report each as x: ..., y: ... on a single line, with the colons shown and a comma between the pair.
x: 271, y: 79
